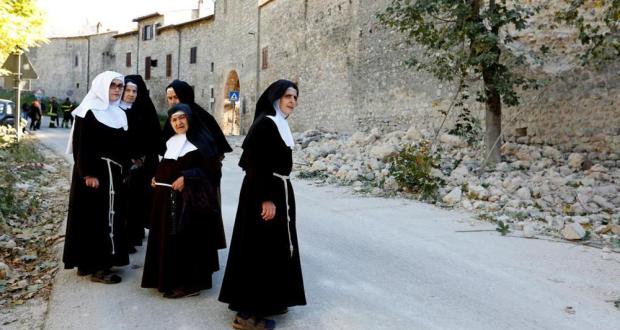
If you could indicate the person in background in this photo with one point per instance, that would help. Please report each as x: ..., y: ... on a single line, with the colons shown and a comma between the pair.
x: 145, y: 138
x: 65, y: 109
x: 53, y: 113
x: 35, y: 115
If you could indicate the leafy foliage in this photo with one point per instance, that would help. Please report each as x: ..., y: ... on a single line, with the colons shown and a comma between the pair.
x: 598, y: 23
x: 21, y: 26
x: 467, y: 126
x: 460, y: 39
x: 412, y: 167
x: 502, y: 228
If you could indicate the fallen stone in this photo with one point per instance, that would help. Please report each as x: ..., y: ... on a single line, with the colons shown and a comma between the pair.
x: 413, y: 134
x: 573, y: 231
x: 575, y: 160
x: 5, y: 271
x: 524, y: 194
x: 529, y: 230
x: 452, y: 140
x: 453, y: 197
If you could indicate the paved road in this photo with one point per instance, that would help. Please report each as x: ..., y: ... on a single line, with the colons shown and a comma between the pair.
x: 374, y: 263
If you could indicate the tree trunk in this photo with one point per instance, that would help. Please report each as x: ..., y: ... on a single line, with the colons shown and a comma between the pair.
x: 493, y: 121
x: 493, y: 114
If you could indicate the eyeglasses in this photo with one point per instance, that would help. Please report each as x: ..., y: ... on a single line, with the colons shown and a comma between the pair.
x: 116, y: 86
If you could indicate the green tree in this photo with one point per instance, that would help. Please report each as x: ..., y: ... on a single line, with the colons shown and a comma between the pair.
x: 462, y: 40
x: 21, y: 26
x: 598, y: 26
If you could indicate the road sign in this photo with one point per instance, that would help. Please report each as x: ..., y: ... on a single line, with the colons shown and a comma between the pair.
x: 26, y: 70
x: 233, y: 96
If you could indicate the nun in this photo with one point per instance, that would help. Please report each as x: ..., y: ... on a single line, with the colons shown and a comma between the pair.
x: 145, y: 143
x: 95, y: 240
x: 263, y: 273
x: 186, y: 227
x: 181, y: 92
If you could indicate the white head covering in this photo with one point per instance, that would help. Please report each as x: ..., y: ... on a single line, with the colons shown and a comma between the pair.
x: 283, y: 128
x: 177, y: 146
x: 97, y: 100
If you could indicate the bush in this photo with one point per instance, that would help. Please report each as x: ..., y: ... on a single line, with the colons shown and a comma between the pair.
x: 467, y: 126
x: 7, y: 136
x: 412, y: 167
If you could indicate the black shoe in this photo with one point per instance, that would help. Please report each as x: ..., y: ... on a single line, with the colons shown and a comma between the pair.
x: 181, y: 293
x: 84, y: 271
x: 101, y: 277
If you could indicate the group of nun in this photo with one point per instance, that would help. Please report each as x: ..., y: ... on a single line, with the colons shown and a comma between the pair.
x: 129, y: 175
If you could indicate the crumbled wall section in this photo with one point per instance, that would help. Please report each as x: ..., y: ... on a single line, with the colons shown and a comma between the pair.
x: 350, y: 70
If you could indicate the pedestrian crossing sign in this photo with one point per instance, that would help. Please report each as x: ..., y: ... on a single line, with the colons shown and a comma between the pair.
x: 233, y: 96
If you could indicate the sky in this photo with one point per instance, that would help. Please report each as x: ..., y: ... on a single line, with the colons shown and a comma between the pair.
x: 76, y: 17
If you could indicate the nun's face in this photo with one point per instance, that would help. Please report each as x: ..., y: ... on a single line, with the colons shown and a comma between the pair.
x: 288, y: 101
x: 116, y: 90
x: 179, y: 123
x: 171, y: 97
x: 130, y: 93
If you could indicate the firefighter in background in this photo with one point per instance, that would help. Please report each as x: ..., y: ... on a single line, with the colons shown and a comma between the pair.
x: 66, y: 108
x: 54, y: 108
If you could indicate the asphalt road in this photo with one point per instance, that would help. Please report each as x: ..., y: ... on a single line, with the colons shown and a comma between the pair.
x: 374, y: 263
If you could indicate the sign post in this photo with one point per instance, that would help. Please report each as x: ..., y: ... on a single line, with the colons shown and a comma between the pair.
x: 233, y: 97
x: 20, y: 67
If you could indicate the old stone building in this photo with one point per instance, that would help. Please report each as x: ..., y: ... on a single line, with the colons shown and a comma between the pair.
x: 350, y: 70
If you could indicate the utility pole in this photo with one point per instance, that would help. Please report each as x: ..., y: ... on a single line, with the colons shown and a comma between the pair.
x: 18, y: 93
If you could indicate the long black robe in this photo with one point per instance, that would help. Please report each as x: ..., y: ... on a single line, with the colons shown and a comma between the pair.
x: 146, y: 143
x: 182, y: 246
x: 87, y: 243
x: 261, y: 275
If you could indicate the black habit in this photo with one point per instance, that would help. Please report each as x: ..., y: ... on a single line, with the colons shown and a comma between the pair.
x: 262, y: 276
x: 186, y: 227
x: 146, y: 144
x: 88, y: 243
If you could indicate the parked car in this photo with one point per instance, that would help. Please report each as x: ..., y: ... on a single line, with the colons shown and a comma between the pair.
x: 7, y: 111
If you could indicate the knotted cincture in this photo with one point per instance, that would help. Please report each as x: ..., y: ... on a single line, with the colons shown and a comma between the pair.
x: 288, y: 217
x: 111, y: 194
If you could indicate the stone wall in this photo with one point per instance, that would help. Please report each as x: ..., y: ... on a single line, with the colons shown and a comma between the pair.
x: 350, y: 70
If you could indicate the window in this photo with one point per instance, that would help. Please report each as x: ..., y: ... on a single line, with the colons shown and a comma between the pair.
x: 128, y: 59
x: 212, y: 67
x: 192, y: 55
x: 265, y: 63
x: 147, y: 32
x: 212, y: 94
x: 169, y: 65
x: 147, y: 68
x: 77, y: 62
x: 77, y: 85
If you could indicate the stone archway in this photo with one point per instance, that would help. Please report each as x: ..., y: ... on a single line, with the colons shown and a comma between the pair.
x: 232, y: 118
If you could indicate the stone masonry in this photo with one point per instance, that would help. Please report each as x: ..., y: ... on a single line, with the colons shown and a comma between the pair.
x: 350, y: 70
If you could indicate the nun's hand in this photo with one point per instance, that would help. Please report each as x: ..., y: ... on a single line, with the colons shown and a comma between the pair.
x: 178, y: 184
x: 269, y: 210
x: 153, y: 182
x: 91, y: 182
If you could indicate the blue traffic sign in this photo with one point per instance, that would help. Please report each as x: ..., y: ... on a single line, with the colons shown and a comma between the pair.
x: 233, y: 96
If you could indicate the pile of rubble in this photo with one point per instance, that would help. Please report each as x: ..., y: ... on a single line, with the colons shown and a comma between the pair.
x: 29, y: 233
x: 536, y: 188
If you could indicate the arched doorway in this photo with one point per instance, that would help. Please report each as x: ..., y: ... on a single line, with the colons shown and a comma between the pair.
x: 231, y: 116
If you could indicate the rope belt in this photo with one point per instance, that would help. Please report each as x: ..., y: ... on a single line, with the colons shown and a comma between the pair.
x: 288, y: 217
x: 109, y: 162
